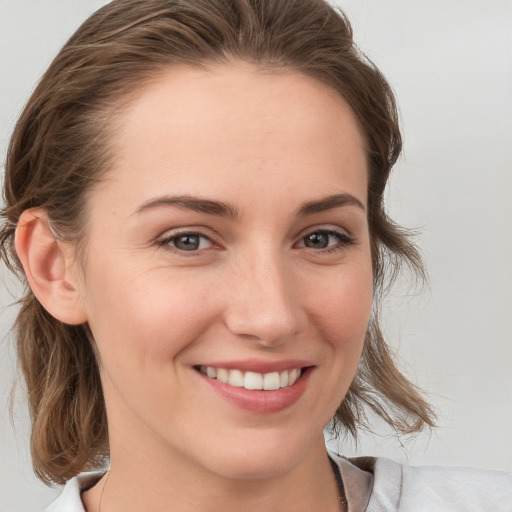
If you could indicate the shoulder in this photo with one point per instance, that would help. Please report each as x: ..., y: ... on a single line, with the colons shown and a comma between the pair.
x: 464, y: 489
x: 399, y: 488
x: 69, y: 500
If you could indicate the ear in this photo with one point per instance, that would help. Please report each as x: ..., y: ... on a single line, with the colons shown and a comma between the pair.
x: 48, y: 264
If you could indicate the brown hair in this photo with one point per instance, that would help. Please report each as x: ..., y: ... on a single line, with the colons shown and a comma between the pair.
x: 60, y: 149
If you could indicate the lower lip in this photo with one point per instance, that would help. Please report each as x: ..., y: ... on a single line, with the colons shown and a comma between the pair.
x: 259, y: 401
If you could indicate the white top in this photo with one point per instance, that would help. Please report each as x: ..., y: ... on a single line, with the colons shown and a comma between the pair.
x: 381, y: 485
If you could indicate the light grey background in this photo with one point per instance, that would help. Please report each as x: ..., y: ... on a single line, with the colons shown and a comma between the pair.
x: 450, y: 63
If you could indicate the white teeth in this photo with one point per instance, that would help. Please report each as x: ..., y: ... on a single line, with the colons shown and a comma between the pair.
x: 271, y: 381
x: 236, y: 378
x: 293, y: 376
x: 222, y: 375
x: 253, y: 380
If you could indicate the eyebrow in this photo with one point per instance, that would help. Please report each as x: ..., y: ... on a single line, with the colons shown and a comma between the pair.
x: 196, y: 204
x: 329, y: 203
x: 221, y: 209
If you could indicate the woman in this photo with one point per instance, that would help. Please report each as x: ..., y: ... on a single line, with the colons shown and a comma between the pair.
x: 194, y: 196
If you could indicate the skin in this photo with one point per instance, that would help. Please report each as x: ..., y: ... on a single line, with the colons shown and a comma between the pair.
x: 266, y: 144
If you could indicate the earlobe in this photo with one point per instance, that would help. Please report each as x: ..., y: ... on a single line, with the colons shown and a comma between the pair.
x: 47, y: 266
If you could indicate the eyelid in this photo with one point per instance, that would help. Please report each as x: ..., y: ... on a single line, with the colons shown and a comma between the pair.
x: 165, y: 239
x: 325, y: 228
x: 345, y: 238
x: 185, y: 230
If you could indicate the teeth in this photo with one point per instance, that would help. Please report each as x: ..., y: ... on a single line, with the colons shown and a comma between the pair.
x: 236, y: 378
x: 271, y: 381
x: 293, y: 376
x: 222, y: 375
x: 252, y: 380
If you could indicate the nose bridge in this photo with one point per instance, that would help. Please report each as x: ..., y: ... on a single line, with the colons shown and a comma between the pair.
x: 263, y: 304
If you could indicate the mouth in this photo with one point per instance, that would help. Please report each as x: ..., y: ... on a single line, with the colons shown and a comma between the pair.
x: 253, y: 381
x: 259, y: 387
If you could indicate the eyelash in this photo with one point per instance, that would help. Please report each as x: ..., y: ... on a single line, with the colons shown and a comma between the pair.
x: 343, y: 241
x: 167, y: 241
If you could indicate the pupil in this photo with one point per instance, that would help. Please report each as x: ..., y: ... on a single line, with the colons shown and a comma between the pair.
x: 317, y: 240
x: 187, y: 242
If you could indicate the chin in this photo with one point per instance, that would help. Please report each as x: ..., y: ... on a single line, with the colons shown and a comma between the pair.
x: 244, y: 467
x: 259, y: 458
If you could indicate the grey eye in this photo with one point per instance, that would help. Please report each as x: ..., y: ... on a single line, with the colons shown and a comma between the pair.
x: 326, y: 239
x: 319, y: 240
x: 189, y: 242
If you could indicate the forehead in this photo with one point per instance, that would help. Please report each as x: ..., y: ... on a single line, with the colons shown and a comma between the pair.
x: 238, y: 125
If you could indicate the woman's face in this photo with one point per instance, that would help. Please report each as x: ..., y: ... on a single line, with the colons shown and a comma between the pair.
x: 229, y: 242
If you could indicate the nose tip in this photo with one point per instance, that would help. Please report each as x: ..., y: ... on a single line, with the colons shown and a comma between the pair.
x: 263, y: 307
x: 264, y: 328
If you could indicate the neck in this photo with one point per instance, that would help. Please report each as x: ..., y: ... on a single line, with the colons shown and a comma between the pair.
x: 138, y: 483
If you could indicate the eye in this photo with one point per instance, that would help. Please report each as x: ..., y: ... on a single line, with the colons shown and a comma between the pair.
x: 323, y: 239
x: 187, y: 242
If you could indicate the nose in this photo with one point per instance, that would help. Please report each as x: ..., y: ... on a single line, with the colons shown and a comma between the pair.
x: 262, y: 303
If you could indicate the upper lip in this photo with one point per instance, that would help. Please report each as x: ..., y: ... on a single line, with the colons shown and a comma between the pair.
x: 260, y: 366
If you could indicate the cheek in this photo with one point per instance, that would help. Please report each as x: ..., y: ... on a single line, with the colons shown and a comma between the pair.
x: 138, y: 318
x: 342, y: 309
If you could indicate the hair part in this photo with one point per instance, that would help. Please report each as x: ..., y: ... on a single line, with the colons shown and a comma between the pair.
x: 64, y: 142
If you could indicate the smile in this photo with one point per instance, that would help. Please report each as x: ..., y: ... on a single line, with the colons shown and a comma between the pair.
x: 252, y: 380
